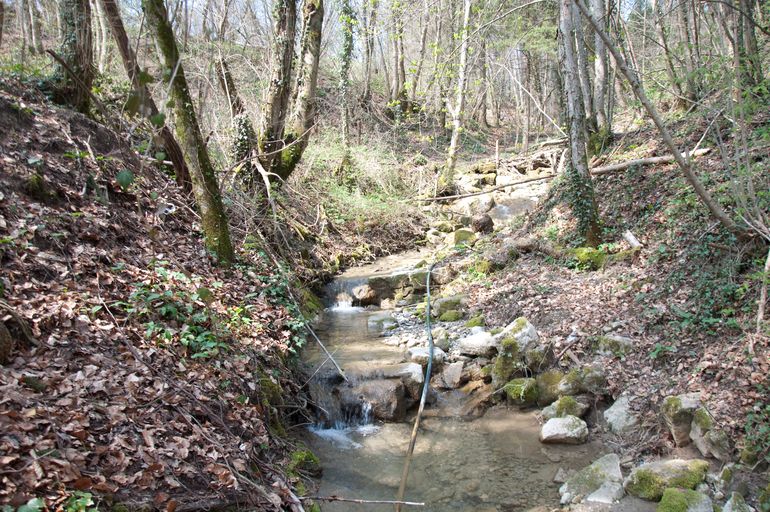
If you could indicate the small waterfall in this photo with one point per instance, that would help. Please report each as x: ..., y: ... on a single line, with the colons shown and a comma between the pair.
x: 338, y: 295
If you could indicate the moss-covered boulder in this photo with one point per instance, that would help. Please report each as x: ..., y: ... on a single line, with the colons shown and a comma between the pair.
x: 604, y: 470
x: 476, y: 321
x: 566, y: 430
x: 305, y: 461
x: 477, y: 344
x: 566, y: 406
x: 736, y: 503
x: 650, y: 480
x: 462, y: 237
x: 710, y: 440
x: 440, y: 306
x: 588, y: 379
x: 589, y: 258
x: 684, y: 500
x: 548, y: 386
x: 451, y: 316
x: 522, y: 392
x: 613, y: 345
x: 523, y: 332
x: 441, y: 338
x: 677, y: 413
x: 508, y: 363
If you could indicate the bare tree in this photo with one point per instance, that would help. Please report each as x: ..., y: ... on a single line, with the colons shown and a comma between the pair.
x: 77, y: 52
x: 457, y: 111
x: 204, y: 180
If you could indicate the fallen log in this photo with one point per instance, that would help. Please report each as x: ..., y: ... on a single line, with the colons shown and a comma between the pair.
x: 596, y: 171
x: 666, y: 159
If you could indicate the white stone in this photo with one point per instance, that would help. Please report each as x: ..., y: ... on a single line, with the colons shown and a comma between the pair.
x: 522, y: 331
x: 420, y: 355
x: 736, y: 503
x: 609, y: 492
x: 479, y: 343
x: 604, y: 470
x: 619, y: 417
x: 451, y: 376
x: 566, y: 430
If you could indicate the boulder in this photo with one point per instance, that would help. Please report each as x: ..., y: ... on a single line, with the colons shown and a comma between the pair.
x: 589, y: 379
x: 548, y: 386
x: 475, y: 205
x: 523, y: 332
x: 410, y: 374
x: 365, y: 295
x: 650, y: 480
x: 451, y: 376
x: 609, y: 492
x: 508, y: 362
x: 601, y: 473
x: 461, y: 237
x: 381, y: 323
x: 566, y: 406
x: 476, y: 321
x: 482, y: 224
x: 620, y: 419
x: 451, y: 316
x: 444, y: 226
x: 684, y: 500
x: 708, y: 438
x: 441, y: 338
x: 677, y: 413
x: 478, y: 343
x: 566, y: 430
x: 420, y: 356
x: 736, y: 503
x: 440, y: 306
x: 613, y: 344
x: 386, y: 396
x: 521, y: 392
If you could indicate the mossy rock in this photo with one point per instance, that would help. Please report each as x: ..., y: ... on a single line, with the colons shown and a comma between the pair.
x: 311, y: 304
x: 304, y: 460
x: 612, y: 344
x: 38, y: 188
x: 649, y: 481
x: 463, y: 237
x: 548, y: 386
x: 507, y: 363
x: 764, y: 499
x: 522, y: 391
x: 476, y: 321
x: 451, y: 316
x: 589, y: 258
x: 565, y: 406
x: 684, y: 500
x: 444, y: 304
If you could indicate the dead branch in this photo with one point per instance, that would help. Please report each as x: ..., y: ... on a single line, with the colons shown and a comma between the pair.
x: 26, y: 332
x: 353, y: 500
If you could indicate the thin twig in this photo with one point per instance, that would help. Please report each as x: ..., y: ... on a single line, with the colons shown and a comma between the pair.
x: 354, y: 500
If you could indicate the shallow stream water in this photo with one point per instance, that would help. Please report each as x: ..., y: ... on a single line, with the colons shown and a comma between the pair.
x: 491, y: 463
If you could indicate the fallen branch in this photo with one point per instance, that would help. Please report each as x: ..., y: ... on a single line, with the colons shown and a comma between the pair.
x: 353, y: 500
x: 666, y: 159
x: 596, y: 171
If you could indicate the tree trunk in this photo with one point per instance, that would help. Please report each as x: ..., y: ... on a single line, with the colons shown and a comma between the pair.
x: 457, y: 112
x: 424, y: 20
x: 103, y: 34
x: 34, y: 28
x: 244, y: 137
x: 586, y: 89
x: 148, y: 106
x: 689, y: 56
x: 582, y: 198
x: 600, y: 70
x: 276, y: 108
x: 482, y: 114
x: 346, y: 57
x: 662, y: 31
x: 370, y: 26
x: 749, y: 60
x: 204, y: 181
x: 303, y: 111
x: 2, y: 21
x: 77, y: 51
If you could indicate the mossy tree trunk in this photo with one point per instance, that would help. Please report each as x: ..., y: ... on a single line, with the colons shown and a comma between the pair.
x: 244, y: 137
x: 580, y: 186
x: 276, y: 104
x: 77, y: 51
x: 147, y: 105
x: 204, y: 180
x: 2, y: 22
x: 370, y: 25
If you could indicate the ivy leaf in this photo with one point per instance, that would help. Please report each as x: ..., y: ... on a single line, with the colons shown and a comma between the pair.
x: 158, y: 120
x: 33, y: 505
x: 125, y: 179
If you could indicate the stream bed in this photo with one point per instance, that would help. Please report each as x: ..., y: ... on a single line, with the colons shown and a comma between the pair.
x: 490, y: 463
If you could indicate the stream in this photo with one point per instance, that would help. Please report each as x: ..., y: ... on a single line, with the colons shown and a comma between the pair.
x: 490, y: 463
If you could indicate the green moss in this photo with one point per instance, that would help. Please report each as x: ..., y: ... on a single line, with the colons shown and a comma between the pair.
x: 610, y: 345
x: 310, y: 304
x: 495, y: 331
x: 507, y: 362
x: 620, y: 256
x: 703, y: 419
x: 586, y: 481
x: 678, y: 500
x: 303, y: 460
x: 646, y: 484
x: 451, y: 316
x: 535, y: 358
x: 476, y: 321
x: 548, y: 386
x: 696, y: 472
x: 518, y: 325
x: 522, y: 391
x: 764, y: 499
x: 484, y: 267
x: 567, y: 406
x: 599, y: 140
x: 589, y: 258
x: 37, y: 188
x: 671, y: 406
